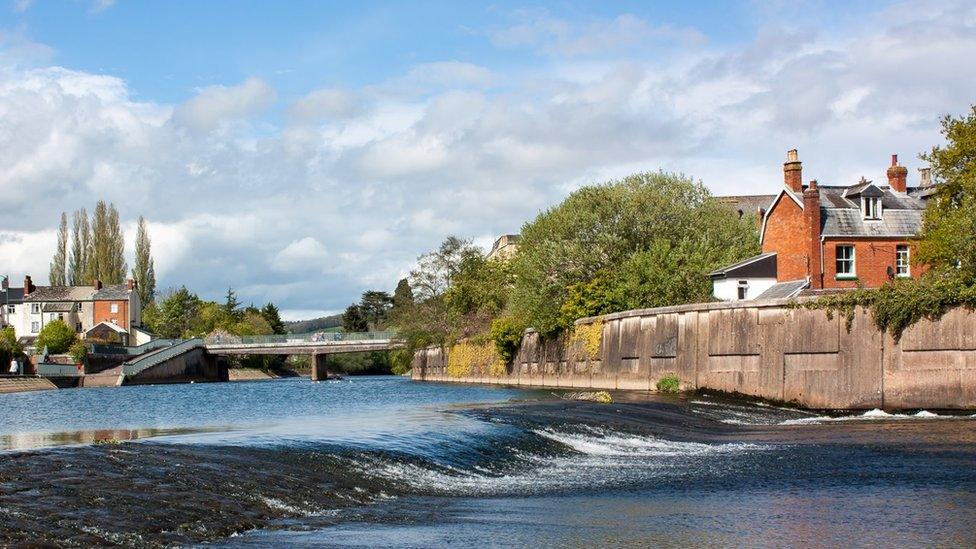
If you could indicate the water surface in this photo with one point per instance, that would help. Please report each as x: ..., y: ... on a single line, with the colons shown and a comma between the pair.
x: 389, y: 462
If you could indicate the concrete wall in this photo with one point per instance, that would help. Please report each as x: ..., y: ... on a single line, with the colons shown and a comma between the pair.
x: 19, y: 384
x: 191, y: 366
x: 727, y: 289
x: 762, y: 349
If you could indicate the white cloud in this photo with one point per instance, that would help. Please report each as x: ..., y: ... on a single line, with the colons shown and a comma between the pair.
x: 215, y: 104
x: 356, y: 182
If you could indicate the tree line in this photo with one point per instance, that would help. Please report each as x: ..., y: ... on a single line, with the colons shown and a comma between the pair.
x: 94, y: 249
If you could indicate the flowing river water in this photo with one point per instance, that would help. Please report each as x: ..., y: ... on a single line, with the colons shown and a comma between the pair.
x: 383, y: 461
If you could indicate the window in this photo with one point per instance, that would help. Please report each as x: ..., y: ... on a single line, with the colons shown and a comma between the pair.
x: 11, y: 309
x: 36, y: 308
x: 743, y: 288
x: 78, y: 327
x: 871, y: 207
x: 845, y: 261
x: 114, y: 307
x: 35, y: 327
x: 903, y: 266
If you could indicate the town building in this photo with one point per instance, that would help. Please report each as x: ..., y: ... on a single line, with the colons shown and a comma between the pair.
x: 80, y: 307
x: 830, y: 237
x: 504, y: 247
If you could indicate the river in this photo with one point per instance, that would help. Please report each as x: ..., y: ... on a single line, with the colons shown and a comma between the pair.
x: 383, y: 461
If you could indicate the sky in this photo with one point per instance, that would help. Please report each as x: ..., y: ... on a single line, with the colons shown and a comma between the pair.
x: 303, y: 152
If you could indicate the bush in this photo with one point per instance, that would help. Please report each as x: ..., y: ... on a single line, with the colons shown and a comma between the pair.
x: 56, y: 336
x: 79, y: 352
x: 506, y: 333
x: 669, y: 384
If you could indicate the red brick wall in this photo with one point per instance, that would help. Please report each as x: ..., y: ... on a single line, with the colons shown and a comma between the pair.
x: 787, y: 235
x: 103, y: 313
x: 872, y: 257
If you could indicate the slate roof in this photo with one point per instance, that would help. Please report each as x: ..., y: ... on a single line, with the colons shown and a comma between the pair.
x: 747, y: 204
x: 783, y: 290
x: 13, y: 296
x: 110, y: 325
x: 59, y: 307
x: 61, y: 293
x: 113, y: 292
x: 901, y: 214
x: 759, y: 265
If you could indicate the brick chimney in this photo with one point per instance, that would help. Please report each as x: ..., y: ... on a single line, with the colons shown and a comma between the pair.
x: 131, y: 284
x: 811, y: 210
x: 28, y: 285
x: 793, y: 172
x: 760, y: 215
x: 897, y: 176
x: 98, y: 284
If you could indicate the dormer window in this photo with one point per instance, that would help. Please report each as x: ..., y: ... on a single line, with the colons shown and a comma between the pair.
x: 871, y: 207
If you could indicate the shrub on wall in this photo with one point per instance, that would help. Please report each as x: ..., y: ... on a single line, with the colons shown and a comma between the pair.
x: 585, y: 340
x: 468, y: 359
x: 901, y: 303
x: 79, y: 352
x: 506, y: 333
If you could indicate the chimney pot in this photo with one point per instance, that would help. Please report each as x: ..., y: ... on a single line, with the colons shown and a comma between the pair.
x: 98, y: 284
x: 131, y: 284
x: 793, y: 172
x: 894, y: 160
x: 28, y: 285
x: 926, y: 177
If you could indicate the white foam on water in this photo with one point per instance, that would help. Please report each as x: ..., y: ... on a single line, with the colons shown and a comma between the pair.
x: 875, y: 415
x: 304, y: 510
x: 605, y: 458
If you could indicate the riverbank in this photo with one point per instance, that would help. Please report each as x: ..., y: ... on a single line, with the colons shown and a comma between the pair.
x: 385, y: 461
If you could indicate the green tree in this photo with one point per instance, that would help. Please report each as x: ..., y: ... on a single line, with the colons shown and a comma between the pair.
x: 56, y: 336
x: 403, y: 295
x: 79, y: 264
x: 107, y: 260
x: 10, y: 348
x: 597, y: 229
x: 232, y: 306
x: 353, y: 320
x: 144, y: 271
x: 375, y: 306
x: 273, y: 317
x: 59, y: 265
x: 949, y: 221
x: 177, y: 314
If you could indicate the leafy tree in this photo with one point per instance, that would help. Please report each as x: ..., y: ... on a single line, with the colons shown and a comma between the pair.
x: 949, y: 221
x: 10, y: 348
x: 435, y: 270
x: 403, y: 295
x: 178, y: 314
x: 353, y: 320
x: 56, y: 336
x: 107, y: 259
x: 231, y: 304
x: 375, y: 306
x: 59, y: 265
x: 144, y: 271
x: 79, y: 263
x: 273, y: 318
x: 599, y: 228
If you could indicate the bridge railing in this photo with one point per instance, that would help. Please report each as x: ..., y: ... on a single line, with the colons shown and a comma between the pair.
x: 136, y: 365
x: 313, y: 337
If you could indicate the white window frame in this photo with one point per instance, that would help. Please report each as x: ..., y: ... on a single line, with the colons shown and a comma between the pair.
x: 903, y: 266
x: 35, y: 308
x: 852, y: 260
x: 114, y: 308
x: 35, y: 327
x: 743, y: 287
x: 871, y: 207
x: 11, y: 309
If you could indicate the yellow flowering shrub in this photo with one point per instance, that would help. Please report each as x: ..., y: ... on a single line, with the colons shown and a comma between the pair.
x: 585, y: 340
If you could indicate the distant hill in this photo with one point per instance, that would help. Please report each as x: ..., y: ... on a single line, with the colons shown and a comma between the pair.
x: 325, y: 323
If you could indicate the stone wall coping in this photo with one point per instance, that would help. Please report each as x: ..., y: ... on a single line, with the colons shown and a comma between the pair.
x: 695, y: 307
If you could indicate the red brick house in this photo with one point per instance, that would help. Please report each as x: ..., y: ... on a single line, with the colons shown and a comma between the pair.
x: 832, y: 236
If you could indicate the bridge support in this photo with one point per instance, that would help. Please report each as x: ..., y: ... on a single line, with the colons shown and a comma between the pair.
x: 318, y: 366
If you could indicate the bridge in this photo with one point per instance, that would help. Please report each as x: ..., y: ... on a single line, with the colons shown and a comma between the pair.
x: 317, y: 345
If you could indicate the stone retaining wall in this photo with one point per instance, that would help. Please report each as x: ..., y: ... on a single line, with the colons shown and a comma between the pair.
x: 24, y: 384
x: 765, y: 349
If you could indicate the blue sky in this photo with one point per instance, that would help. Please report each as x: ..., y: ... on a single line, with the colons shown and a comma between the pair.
x: 303, y: 152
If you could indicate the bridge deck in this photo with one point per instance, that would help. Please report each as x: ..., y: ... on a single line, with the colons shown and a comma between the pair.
x: 301, y: 347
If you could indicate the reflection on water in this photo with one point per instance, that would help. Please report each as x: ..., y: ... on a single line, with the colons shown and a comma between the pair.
x: 30, y: 441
